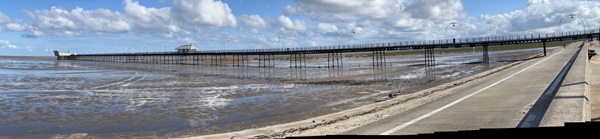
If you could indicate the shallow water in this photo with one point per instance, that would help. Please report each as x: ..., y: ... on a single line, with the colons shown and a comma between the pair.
x: 43, y: 96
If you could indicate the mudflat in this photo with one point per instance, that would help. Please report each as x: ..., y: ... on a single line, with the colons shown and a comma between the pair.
x: 43, y: 97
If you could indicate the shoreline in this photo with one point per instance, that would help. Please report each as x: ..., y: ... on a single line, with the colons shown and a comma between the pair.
x: 339, y: 122
x: 350, y: 97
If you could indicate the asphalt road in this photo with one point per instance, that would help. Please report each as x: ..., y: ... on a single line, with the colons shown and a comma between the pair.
x: 500, y: 102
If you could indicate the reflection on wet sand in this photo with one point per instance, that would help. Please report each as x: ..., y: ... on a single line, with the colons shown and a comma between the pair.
x: 430, y: 72
x: 380, y: 74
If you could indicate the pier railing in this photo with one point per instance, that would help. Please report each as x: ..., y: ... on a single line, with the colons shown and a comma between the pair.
x: 405, y: 45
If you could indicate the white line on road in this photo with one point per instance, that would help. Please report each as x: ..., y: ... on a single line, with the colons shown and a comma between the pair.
x: 457, y: 101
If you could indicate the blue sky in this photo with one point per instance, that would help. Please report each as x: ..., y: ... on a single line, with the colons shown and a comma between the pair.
x: 36, y: 27
x: 476, y: 8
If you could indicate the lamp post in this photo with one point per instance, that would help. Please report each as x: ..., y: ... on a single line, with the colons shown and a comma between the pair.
x: 583, y: 20
x: 143, y: 48
x: 132, y: 50
x: 227, y: 45
x: 454, y: 23
x: 353, y: 30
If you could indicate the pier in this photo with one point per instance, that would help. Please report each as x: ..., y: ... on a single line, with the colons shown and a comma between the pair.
x: 335, y: 54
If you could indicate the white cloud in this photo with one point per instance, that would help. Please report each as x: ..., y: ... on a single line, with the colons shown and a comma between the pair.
x: 384, y: 20
x: 135, y: 10
x: 327, y: 27
x: 204, y: 12
x: 156, y: 20
x: 287, y: 23
x: 379, y: 10
x: 342, y: 10
x: 149, y: 18
x: 300, y: 25
x: 254, y: 22
x: 185, y: 17
x: 381, y: 20
x: 33, y: 32
x: 58, y: 20
x: 304, y: 22
x: 7, y: 44
x: 4, y: 18
x: 168, y: 35
x: 15, y: 27
x: 540, y: 16
x: 434, y: 9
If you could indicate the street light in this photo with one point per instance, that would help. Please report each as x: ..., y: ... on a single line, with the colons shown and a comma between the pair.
x: 227, y: 45
x: 353, y: 30
x: 583, y: 20
x: 143, y: 48
x: 238, y: 44
x: 454, y: 23
x: 130, y: 48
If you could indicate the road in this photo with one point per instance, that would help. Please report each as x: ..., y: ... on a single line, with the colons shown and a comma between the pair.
x: 500, y: 102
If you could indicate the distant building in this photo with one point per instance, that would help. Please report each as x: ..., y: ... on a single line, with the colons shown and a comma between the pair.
x: 186, y: 48
x: 62, y: 55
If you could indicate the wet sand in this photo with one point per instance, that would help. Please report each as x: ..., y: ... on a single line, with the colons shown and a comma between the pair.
x: 42, y: 97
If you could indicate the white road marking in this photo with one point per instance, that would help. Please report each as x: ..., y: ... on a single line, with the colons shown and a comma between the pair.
x: 457, y: 101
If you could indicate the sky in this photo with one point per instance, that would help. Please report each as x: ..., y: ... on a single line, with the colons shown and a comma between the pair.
x: 36, y: 27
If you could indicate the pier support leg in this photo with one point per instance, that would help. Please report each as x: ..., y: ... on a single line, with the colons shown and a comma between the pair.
x: 328, y: 59
x: 544, y: 42
x: 383, y: 56
x: 373, y: 59
x: 304, y: 61
x: 486, y: 56
x: 429, y: 55
x: 341, y: 59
